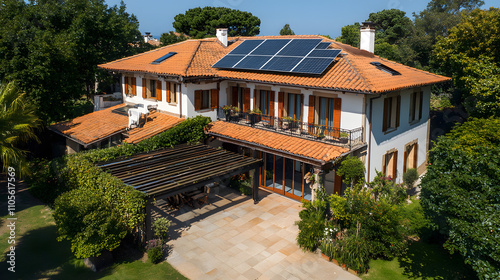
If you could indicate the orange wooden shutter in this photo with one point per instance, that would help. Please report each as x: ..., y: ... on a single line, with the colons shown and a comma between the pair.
x: 415, y: 155
x: 337, y: 108
x: 215, y: 98
x: 421, y: 105
x: 234, y: 101
x: 337, y: 184
x: 144, y: 81
x: 271, y: 104
x: 246, y: 100
x: 384, y: 164
x: 158, y: 90
x: 386, y: 114
x: 167, y: 85
x: 398, y: 110
x: 405, y: 159
x: 281, y: 98
x: 197, y: 99
x: 395, y: 164
x: 134, y: 88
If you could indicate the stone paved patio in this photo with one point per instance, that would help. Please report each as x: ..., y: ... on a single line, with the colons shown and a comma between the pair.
x: 234, y: 239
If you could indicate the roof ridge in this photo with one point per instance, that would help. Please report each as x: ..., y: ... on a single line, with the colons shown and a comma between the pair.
x: 365, y: 81
x: 192, y: 57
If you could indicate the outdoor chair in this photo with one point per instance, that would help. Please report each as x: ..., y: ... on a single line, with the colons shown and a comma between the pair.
x: 134, y: 116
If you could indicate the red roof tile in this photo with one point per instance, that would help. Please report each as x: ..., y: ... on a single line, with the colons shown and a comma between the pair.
x: 352, y: 70
x: 156, y: 124
x: 302, y: 147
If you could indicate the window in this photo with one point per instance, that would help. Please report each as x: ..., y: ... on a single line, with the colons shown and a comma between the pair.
x: 410, y: 157
x: 206, y: 99
x: 295, y: 106
x: 329, y: 116
x: 240, y: 98
x: 392, y: 107
x: 263, y: 100
x: 416, y: 106
x: 172, y: 92
x: 390, y: 164
x: 152, y: 88
x: 129, y: 87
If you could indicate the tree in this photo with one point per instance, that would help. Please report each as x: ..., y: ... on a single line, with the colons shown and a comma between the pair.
x: 203, y: 22
x: 17, y: 124
x: 350, y: 35
x: 471, y: 55
x: 52, y: 49
x: 352, y: 171
x: 391, y: 25
x: 286, y: 30
x: 460, y: 193
x: 171, y: 38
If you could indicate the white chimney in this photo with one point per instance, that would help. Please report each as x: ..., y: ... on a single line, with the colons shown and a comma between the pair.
x: 222, y: 35
x: 367, y: 38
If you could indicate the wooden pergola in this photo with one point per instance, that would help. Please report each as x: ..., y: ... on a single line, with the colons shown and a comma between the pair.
x: 167, y: 172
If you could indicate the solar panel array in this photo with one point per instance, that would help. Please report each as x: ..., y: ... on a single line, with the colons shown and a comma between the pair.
x: 304, y: 56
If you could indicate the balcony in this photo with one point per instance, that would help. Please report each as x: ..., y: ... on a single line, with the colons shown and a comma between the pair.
x: 347, y: 138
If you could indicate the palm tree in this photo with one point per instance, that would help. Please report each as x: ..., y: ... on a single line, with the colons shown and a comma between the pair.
x: 17, y: 124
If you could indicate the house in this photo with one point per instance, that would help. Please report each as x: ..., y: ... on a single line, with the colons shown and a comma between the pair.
x: 317, y: 100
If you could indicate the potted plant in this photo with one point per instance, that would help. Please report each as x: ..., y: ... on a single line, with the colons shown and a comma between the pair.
x: 228, y: 110
x: 255, y: 116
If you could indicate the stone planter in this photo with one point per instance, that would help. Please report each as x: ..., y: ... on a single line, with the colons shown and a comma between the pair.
x: 100, y: 262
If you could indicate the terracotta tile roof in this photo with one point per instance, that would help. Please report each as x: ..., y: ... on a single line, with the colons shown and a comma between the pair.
x: 102, y: 124
x: 352, y: 70
x: 156, y: 124
x: 303, y: 147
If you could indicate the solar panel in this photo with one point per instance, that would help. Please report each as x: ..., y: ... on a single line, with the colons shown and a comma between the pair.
x: 253, y: 62
x: 246, y: 46
x: 270, y: 47
x: 163, y: 58
x: 299, y: 47
x: 281, y: 63
x: 313, y: 65
x: 307, y: 56
x: 323, y: 45
x: 324, y: 53
x: 228, y: 61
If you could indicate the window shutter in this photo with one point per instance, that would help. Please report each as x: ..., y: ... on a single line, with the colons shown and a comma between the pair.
x: 144, y: 86
x: 386, y: 115
x: 420, y: 105
x: 271, y: 104
x: 215, y: 98
x: 337, y: 184
x: 415, y: 155
x: 398, y: 110
x: 158, y: 90
x: 234, y: 99
x: 405, y: 159
x: 197, y: 99
x: 384, y: 164
x: 246, y: 100
x: 281, y: 98
x: 125, y: 89
x: 337, y: 106
x: 134, y: 88
x: 310, y: 117
x: 167, y: 85
x: 394, y: 164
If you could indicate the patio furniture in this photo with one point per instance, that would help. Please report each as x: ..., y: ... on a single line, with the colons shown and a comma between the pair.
x: 134, y: 116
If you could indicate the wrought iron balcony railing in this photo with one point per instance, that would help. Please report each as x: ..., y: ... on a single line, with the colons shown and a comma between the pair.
x: 348, y: 138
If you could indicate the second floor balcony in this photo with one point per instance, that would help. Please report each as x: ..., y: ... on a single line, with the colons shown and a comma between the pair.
x: 348, y: 138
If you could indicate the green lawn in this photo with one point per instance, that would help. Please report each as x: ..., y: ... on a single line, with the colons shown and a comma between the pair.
x: 423, y: 261
x: 39, y: 255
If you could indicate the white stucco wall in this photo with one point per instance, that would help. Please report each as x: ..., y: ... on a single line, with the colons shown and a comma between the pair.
x: 406, y: 132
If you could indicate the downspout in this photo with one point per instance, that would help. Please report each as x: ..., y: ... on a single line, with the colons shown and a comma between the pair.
x: 370, y: 136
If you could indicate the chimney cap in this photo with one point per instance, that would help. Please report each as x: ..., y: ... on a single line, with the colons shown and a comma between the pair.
x: 368, y: 25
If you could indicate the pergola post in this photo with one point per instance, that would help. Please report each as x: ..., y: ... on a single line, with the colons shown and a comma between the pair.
x: 254, y: 173
x: 149, y: 218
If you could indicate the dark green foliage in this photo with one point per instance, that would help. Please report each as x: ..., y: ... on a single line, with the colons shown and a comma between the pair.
x: 352, y: 171
x: 414, y: 220
x: 410, y: 177
x: 311, y: 224
x: 203, y: 22
x: 161, y: 226
x: 171, y: 38
x: 286, y: 30
x: 241, y: 183
x: 460, y: 193
x: 385, y: 188
x: 52, y: 48
x: 356, y: 253
x: 350, y: 35
x: 155, y: 255
x: 391, y: 25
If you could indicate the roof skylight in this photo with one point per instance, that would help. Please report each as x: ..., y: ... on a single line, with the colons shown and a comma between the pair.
x: 385, y: 68
x: 163, y: 58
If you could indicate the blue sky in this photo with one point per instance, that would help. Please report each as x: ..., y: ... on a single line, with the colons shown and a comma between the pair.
x: 304, y: 16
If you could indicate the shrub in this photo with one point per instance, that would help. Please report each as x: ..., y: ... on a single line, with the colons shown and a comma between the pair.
x: 161, y: 226
x: 242, y: 183
x: 410, y: 177
x: 352, y: 171
x: 155, y: 255
x: 311, y: 224
x: 356, y: 254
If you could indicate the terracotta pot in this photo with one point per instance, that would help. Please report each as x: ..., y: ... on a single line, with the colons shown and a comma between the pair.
x: 353, y: 271
x: 335, y: 261
x: 344, y: 266
x: 325, y: 257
